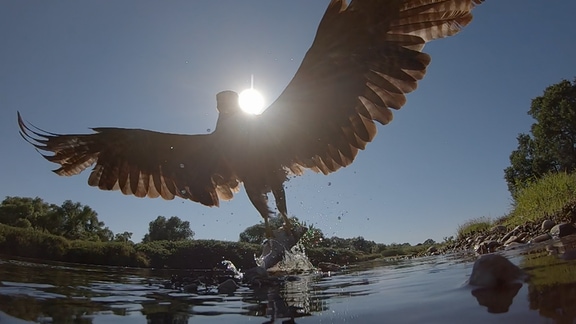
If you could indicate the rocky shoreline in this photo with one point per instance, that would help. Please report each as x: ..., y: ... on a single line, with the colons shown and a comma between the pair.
x: 500, y: 237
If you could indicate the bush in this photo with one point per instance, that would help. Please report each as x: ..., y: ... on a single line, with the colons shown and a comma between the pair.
x: 199, y: 254
x: 30, y: 243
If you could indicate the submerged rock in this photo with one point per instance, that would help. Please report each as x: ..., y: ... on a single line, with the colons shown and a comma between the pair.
x: 494, y: 270
x: 227, y: 287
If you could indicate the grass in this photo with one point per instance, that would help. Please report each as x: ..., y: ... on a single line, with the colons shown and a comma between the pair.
x: 542, y: 199
x: 475, y: 225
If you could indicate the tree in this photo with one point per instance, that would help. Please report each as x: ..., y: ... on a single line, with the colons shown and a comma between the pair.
x: 257, y: 233
x: 172, y: 229
x: 71, y: 220
x: 14, y: 210
x: 551, y: 147
x: 429, y: 242
x: 123, y: 237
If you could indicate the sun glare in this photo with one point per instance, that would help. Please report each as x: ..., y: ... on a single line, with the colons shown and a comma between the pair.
x: 251, y: 101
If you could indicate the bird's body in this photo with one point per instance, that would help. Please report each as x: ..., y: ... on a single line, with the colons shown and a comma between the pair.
x: 365, y: 57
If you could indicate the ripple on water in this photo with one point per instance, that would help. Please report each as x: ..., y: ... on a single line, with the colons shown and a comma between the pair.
x: 420, y: 290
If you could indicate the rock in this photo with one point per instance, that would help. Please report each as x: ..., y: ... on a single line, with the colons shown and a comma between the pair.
x: 498, y: 229
x: 486, y: 247
x: 190, y: 288
x: 547, y: 224
x: 327, y: 266
x: 541, y: 238
x: 507, y: 236
x: 227, y: 287
x: 562, y: 230
x: 511, y: 239
x: 513, y: 246
x: 520, y: 238
x: 432, y: 249
x: 494, y: 270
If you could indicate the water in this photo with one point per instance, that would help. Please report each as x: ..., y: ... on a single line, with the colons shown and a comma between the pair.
x: 424, y: 290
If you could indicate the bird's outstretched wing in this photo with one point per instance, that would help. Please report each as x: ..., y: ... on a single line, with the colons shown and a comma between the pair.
x: 141, y: 163
x: 365, y: 57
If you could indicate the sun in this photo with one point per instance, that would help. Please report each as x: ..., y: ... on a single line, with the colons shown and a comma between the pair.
x: 251, y: 101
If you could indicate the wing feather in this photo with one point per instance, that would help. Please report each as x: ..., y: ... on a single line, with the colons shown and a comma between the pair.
x: 140, y: 162
x: 365, y: 58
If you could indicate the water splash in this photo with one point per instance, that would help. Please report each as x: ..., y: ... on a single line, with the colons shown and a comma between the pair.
x: 294, y: 260
x: 231, y: 267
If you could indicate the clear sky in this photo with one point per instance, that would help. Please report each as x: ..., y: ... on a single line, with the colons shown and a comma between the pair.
x: 71, y: 65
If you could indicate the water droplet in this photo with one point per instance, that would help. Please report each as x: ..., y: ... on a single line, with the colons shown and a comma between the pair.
x: 183, y: 191
x: 208, y: 130
x: 171, y: 147
x: 329, y: 184
x: 339, y: 218
x: 181, y: 165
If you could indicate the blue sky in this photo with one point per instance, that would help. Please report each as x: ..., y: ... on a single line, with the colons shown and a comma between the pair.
x: 71, y: 65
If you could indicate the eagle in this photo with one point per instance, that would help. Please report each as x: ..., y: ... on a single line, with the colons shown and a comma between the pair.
x: 366, y: 56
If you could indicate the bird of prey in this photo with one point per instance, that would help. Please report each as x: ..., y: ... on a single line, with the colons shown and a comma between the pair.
x: 366, y: 56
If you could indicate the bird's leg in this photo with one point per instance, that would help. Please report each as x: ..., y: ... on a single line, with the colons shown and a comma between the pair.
x: 260, y: 201
x: 280, y: 197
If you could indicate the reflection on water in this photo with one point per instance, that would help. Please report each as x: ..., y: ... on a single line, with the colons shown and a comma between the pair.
x: 430, y: 290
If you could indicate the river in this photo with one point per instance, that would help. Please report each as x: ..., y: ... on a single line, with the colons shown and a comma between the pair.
x: 422, y: 290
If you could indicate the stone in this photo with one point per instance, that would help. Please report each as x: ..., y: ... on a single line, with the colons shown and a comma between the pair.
x: 541, y: 238
x: 494, y: 270
x: 562, y: 230
x: 547, y: 225
x: 227, y: 287
x: 327, y: 266
x: 432, y: 249
x: 498, y: 229
x: 511, y: 239
x: 507, y: 236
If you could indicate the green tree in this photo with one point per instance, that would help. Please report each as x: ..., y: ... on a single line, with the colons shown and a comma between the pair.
x: 71, y: 220
x: 123, y: 237
x: 14, y: 210
x: 256, y: 234
x: 172, y: 229
x: 78, y: 222
x: 551, y: 146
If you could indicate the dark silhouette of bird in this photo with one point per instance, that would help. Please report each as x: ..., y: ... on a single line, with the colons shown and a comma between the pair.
x: 365, y: 57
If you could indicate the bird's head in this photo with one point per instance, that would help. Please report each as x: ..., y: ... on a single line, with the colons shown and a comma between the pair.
x: 227, y: 102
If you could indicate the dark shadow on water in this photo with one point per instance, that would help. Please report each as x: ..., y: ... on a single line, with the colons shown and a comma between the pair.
x: 497, y: 300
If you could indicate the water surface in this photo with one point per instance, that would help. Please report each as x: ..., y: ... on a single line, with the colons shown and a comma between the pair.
x: 424, y: 290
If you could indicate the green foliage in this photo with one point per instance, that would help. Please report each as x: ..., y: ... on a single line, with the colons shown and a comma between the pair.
x: 551, y: 147
x: 36, y: 244
x: 476, y: 225
x: 256, y: 234
x: 70, y: 220
x: 172, y: 229
x: 123, y: 237
x: 199, y: 254
x: 543, y: 198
